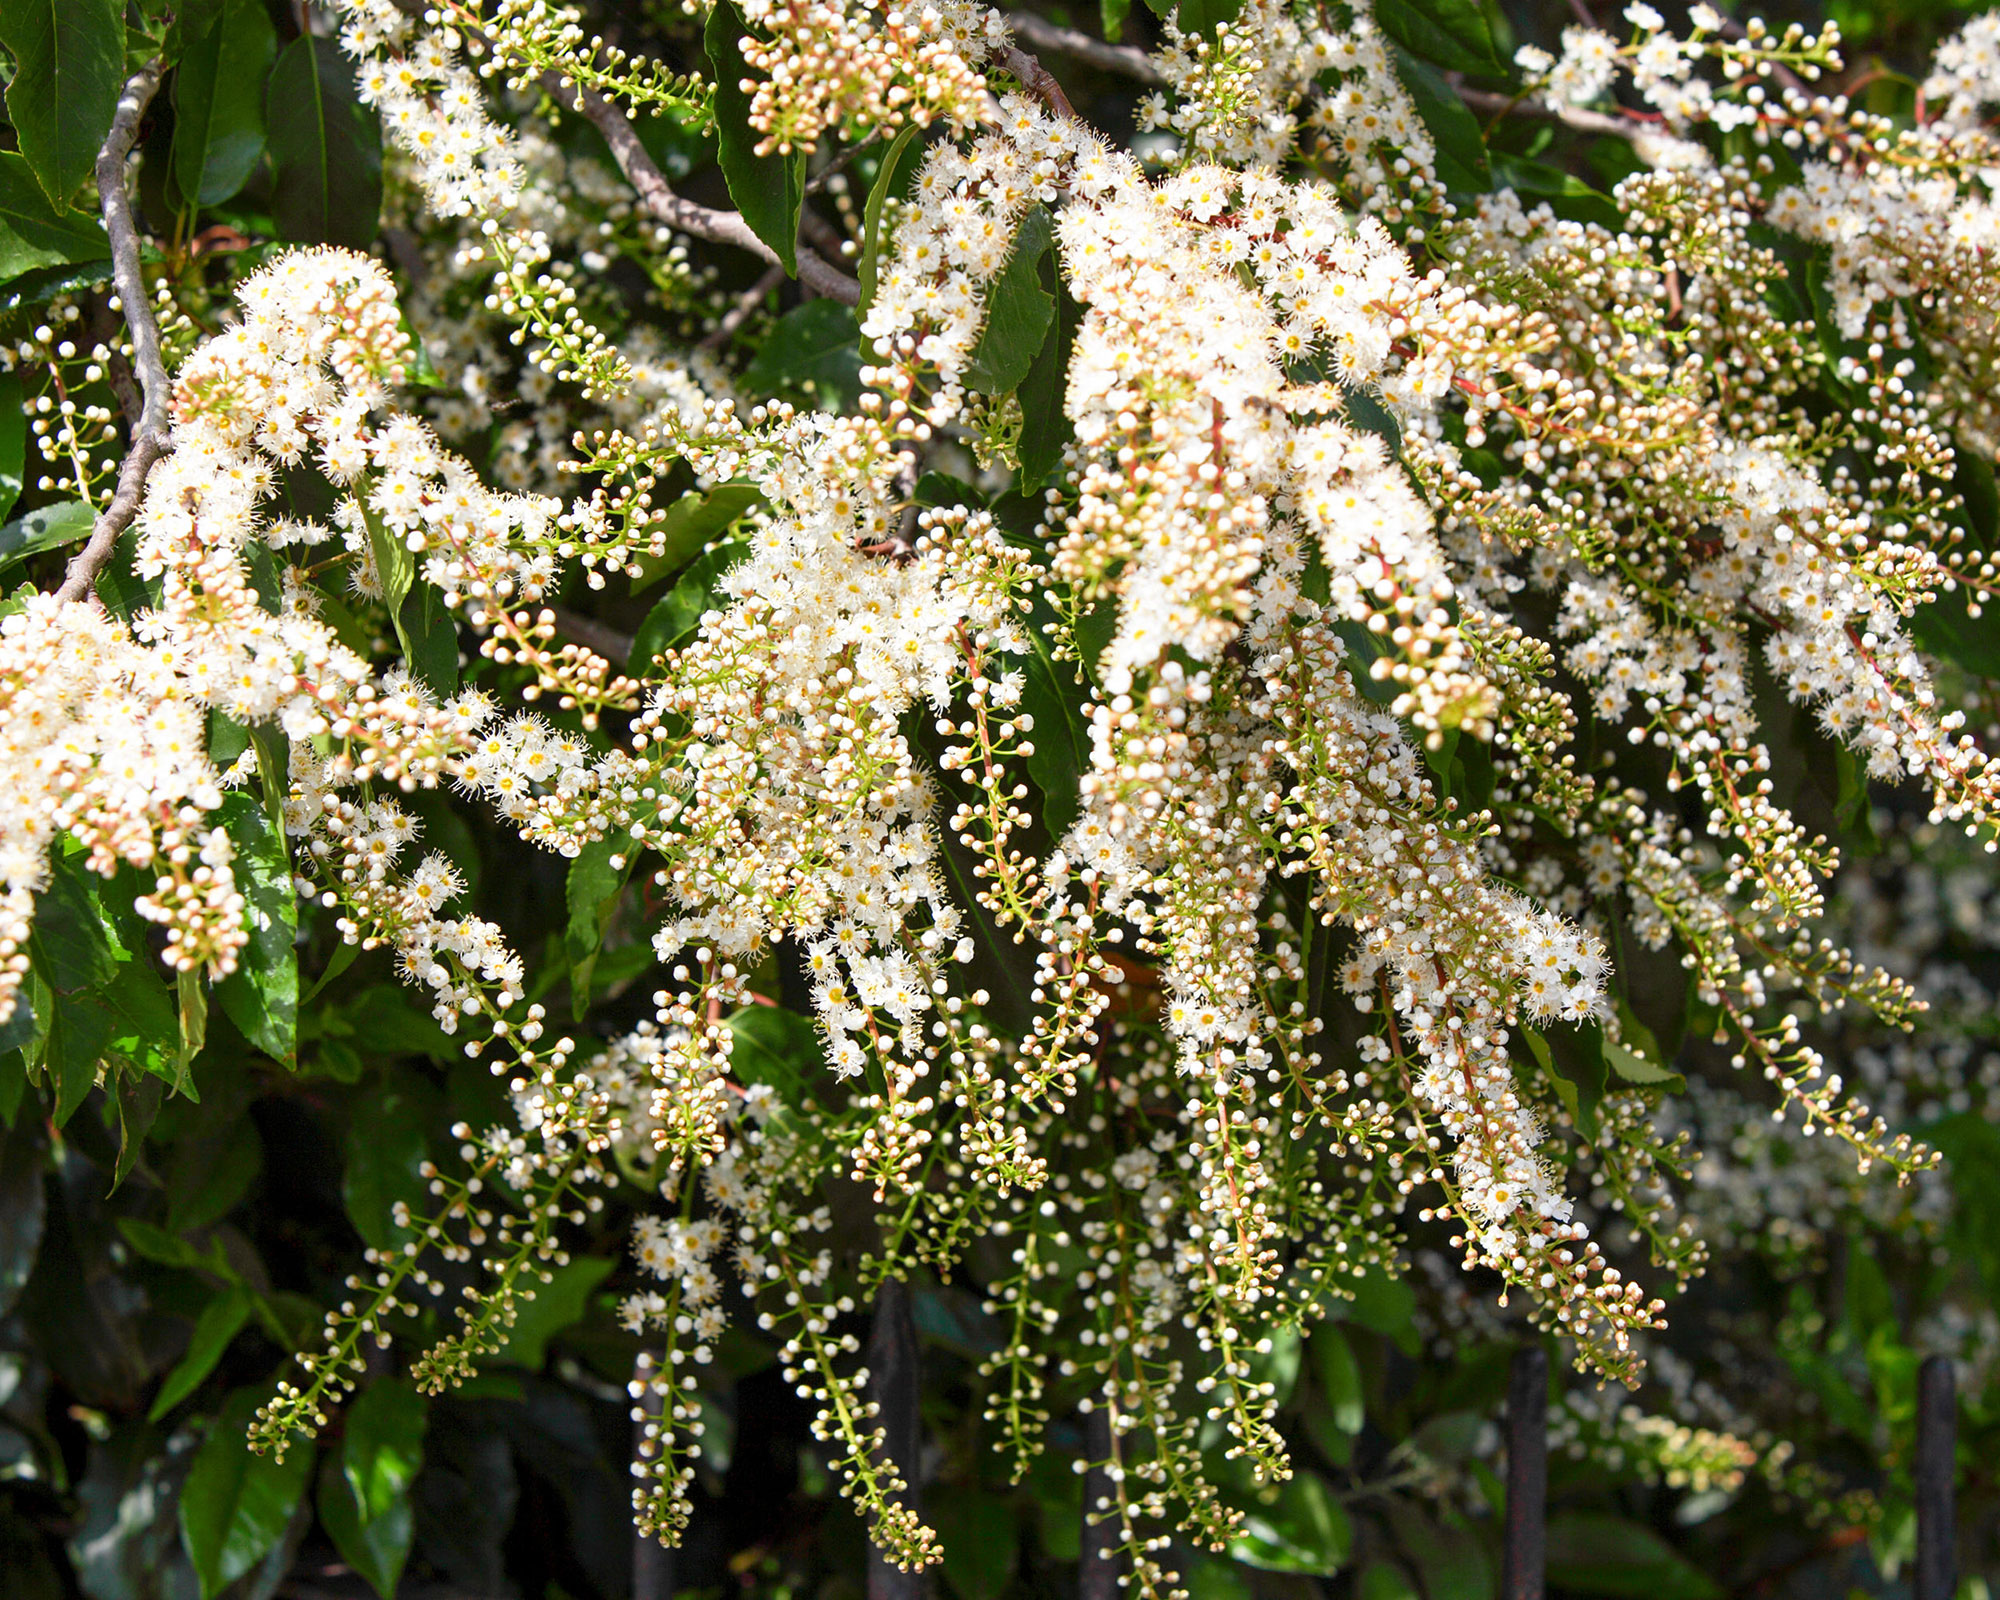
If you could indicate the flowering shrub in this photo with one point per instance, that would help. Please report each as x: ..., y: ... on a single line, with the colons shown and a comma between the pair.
x: 1151, y: 735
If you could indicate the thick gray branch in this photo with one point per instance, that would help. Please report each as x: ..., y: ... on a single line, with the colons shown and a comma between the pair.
x: 1123, y: 59
x: 149, y: 435
x: 683, y: 215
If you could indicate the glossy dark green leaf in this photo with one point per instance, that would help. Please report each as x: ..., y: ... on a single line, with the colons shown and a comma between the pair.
x: 326, y: 149
x: 69, y: 66
x: 235, y: 1506
x: 109, y: 999
x: 768, y: 190
x: 690, y: 522
x: 384, y: 1444
x: 376, y: 1548
x: 386, y: 1148
x: 262, y: 995
x: 777, y: 1047
x: 817, y: 346
x: 558, y: 1304
x: 45, y: 528
x: 1019, y: 312
x: 429, y: 634
x: 1452, y: 33
x: 1304, y: 1530
x: 1045, y: 424
x: 680, y: 610
x: 1634, y: 1068
x: 1461, y: 149
x: 220, y: 1321
x: 1593, y: 1553
x: 888, y: 171
x: 13, y: 448
x: 1383, y: 1305
x: 591, y: 891
x: 219, y: 102
x: 1947, y: 629
x: 981, y: 1539
x: 1568, y: 196
x: 1339, y: 1376
x: 33, y: 234
x: 1201, y: 16
x: 1055, y: 697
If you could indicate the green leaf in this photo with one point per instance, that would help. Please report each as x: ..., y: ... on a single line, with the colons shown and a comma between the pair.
x: 1569, y: 197
x: 871, y: 223
x: 680, y: 611
x: 1452, y: 33
x: 1054, y: 697
x: 326, y: 149
x: 592, y: 893
x: 1574, y: 1061
x: 1596, y: 1554
x: 395, y: 567
x: 69, y: 66
x: 45, y: 528
x: 219, y: 103
x: 777, y: 1047
x: 1018, y: 312
x: 220, y: 1321
x: 13, y: 451
x: 108, y: 996
x: 1461, y: 148
x: 1045, y: 424
x: 429, y: 635
x: 816, y: 345
x: 1201, y: 16
x: 981, y: 1539
x: 384, y: 1444
x: 1947, y: 629
x: 690, y: 522
x: 1635, y: 1068
x: 1339, y: 1376
x: 262, y: 995
x: 377, y: 1548
x: 33, y: 233
x: 557, y: 1305
x: 1304, y: 1530
x: 769, y: 190
x: 235, y: 1505
x: 364, y: 1486
x: 386, y: 1149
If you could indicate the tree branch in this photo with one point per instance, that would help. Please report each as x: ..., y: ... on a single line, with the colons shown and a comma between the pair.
x: 1584, y: 121
x: 746, y: 304
x: 685, y: 216
x: 1037, y: 80
x: 1123, y: 59
x: 149, y: 434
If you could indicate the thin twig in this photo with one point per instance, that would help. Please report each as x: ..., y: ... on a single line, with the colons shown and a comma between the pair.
x: 746, y: 305
x: 1127, y: 60
x: 1577, y: 117
x: 149, y: 436
x: 1036, y: 79
x: 685, y: 216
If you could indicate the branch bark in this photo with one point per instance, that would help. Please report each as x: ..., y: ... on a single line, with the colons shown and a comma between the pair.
x: 660, y: 201
x: 149, y: 433
x: 1577, y: 117
x: 1126, y: 60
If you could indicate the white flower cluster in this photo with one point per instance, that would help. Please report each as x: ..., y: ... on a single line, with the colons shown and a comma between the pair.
x: 847, y: 64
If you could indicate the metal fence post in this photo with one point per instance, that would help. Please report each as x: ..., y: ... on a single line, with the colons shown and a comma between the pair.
x: 1525, y: 1558
x: 1937, y: 1440
x: 894, y: 1384
x: 1097, y: 1566
x: 652, y: 1562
